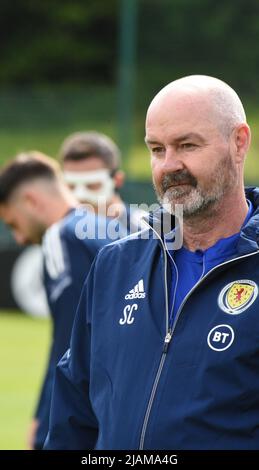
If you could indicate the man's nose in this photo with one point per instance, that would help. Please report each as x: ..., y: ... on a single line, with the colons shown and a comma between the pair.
x: 172, y: 162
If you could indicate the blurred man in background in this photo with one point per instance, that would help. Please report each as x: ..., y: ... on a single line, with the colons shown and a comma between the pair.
x: 38, y: 207
x: 91, y: 162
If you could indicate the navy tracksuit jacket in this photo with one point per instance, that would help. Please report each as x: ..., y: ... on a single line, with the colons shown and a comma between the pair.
x: 130, y: 382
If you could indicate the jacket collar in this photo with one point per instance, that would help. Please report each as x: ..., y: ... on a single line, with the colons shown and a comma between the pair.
x: 164, y: 223
x: 249, y: 234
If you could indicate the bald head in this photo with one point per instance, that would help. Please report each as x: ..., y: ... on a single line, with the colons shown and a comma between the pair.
x: 206, y: 96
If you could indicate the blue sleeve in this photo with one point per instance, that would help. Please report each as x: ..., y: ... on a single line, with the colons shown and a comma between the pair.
x: 63, y: 293
x: 66, y: 290
x: 43, y: 407
x: 73, y: 425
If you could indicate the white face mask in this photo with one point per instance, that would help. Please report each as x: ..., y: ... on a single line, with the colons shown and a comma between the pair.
x: 80, y: 181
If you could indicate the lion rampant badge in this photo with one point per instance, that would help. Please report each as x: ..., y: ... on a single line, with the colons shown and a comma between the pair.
x: 237, y: 296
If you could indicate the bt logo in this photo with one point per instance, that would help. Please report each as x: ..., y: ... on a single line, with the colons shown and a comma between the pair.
x: 128, y: 318
x: 220, y: 337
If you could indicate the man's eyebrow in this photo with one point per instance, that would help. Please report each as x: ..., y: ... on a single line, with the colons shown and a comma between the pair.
x: 151, y: 141
x: 190, y: 135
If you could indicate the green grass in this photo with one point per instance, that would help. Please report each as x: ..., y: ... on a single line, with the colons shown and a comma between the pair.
x: 40, y: 119
x: 23, y: 351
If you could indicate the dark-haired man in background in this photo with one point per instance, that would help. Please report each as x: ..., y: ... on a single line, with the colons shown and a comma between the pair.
x: 38, y: 207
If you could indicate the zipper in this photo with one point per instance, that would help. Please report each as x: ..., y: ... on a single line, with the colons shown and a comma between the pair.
x: 166, y: 344
x: 151, y: 400
x: 170, y: 331
x: 168, y: 335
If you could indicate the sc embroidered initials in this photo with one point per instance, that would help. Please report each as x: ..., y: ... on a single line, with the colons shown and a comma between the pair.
x: 128, y: 318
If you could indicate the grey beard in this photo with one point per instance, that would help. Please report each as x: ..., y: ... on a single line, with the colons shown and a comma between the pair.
x: 197, y: 202
x: 194, y: 199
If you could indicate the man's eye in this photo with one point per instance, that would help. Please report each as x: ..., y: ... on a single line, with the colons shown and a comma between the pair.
x: 188, y: 145
x: 157, y: 149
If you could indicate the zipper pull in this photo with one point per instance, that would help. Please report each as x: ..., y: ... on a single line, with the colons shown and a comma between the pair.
x: 167, y: 341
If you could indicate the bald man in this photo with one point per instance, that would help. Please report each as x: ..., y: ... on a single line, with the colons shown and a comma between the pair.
x: 174, y: 356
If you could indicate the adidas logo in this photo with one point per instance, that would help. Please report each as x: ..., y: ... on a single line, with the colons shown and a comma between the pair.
x: 137, y: 292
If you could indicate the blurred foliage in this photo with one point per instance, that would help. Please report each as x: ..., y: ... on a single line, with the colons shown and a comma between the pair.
x: 46, y: 41
x: 77, y: 40
x: 184, y: 37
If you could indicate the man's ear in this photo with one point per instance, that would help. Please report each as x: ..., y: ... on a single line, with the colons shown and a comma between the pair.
x: 119, y: 179
x: 241, y: 141
x: 31, y: 198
